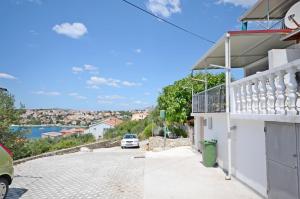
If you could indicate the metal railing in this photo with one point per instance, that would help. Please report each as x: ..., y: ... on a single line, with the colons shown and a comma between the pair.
x: 216, y: 100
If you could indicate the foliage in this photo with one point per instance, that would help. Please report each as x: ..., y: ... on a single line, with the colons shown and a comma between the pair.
x: 178, y: 131
x: 148, y: 130
x: 43, y: 145
x: 129, y: 126
x: 176, y: 99
x: 9, y: 115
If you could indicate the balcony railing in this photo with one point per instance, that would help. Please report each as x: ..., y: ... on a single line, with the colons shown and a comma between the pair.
x: 215, y: 100
x: 275, y: 91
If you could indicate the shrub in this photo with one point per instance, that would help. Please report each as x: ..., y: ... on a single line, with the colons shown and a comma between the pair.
x: 38, y: 146
x: 148, y: 130
x: 178, y: 131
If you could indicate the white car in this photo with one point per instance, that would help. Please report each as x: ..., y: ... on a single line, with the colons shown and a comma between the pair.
x: 130, y: 140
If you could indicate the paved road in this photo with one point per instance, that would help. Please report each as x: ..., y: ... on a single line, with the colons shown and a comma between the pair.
x: 105, y: 173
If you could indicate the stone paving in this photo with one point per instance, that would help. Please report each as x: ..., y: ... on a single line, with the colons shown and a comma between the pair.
x: 105, y: 173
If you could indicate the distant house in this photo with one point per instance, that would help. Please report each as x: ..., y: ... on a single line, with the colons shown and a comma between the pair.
x: 100, y: 128
x: 139, y: 116
x: 51, y: 135
x: 74, y: 131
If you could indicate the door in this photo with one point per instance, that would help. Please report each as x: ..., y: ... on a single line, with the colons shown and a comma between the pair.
x: 282, y: 161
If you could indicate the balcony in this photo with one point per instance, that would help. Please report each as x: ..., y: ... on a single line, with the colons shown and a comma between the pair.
x: 268, y: 93
x: 215, y: 100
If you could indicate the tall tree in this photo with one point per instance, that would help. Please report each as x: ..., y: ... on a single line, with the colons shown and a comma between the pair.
x: 9, y: 115
x: 176, y: 99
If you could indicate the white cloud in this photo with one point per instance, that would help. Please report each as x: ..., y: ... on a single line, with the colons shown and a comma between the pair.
x: 147, y: 93
x: 144, y: 79
x: 7, y: 76
x: 164, y: 8
x: 35, y: 1
x: 87, y: 67
x: 77, y: 96
x: 96, y: 81
x: 138, y: 50
x: 76, y: 69
x: 242, y: 3
x: 129, y: 63
x: 110, y: 97
x: 75, y: 30
x: 104, y: 102
x: 48, y: 93
x: 130, y: 84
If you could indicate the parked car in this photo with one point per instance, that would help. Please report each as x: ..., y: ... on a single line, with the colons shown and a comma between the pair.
x: 130, y: 140
x: 6, y: 170
x: 171, y: 135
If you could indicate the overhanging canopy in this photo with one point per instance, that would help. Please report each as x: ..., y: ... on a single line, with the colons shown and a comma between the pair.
x: 277, y: 9
x: 246, y: 47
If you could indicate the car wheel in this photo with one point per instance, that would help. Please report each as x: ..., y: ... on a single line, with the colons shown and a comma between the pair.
x: 3, y: 188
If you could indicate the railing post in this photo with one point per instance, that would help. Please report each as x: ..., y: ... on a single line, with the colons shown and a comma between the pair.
x: 263, y: 95
x: 249, y: 96
x: 234, y: 100
x: 291, y: 91
x: 243, y: 98
x: 255, y: 103
x: 280, y: 92
x: 271, y: 94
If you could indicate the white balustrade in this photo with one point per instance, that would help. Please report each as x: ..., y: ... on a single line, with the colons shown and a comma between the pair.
x: 269, y: 92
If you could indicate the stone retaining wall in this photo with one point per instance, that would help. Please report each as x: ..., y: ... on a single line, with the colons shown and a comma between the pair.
x: 94, y: 145
x: 158, y: 142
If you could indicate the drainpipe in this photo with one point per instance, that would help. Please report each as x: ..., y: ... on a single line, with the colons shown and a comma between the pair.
x: 228, y: 80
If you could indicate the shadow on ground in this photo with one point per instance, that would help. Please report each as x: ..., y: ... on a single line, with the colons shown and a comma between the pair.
x: 16, y: 193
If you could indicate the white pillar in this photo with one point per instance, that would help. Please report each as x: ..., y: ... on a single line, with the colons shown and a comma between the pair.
x: 280, y: 93
x: 249, y: 96
x: 263, y: 95
x: 271, y: 95
x: 291, y: 92
x: 255, y: 103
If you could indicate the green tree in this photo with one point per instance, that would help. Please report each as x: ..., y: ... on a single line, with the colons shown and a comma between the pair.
x: 9, y: 115
x: 176, y: 99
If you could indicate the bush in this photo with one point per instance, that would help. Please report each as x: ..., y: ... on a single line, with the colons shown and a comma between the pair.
x: 38, y: 146
x: 148, y: 130
x: 178, y: 131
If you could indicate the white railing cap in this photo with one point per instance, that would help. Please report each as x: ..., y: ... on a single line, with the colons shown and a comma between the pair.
x: 295, y: 63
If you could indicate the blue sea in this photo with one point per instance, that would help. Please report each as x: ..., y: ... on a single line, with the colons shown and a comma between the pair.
x: 36, y: 131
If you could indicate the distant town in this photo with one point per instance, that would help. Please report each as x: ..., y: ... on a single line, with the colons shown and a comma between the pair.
x: 76, y: 117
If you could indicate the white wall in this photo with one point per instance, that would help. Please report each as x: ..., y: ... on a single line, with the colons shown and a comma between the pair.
x: 218, y: 132
x: 197, y: 132
x: 97, y: 130
x: 248, y: 149
x: 249, y: 154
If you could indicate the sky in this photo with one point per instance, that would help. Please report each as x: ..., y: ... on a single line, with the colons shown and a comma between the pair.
x: 104, y: 54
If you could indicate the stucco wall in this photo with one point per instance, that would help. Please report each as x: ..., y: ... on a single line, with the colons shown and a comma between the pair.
x: 249, y: 154
x: 97, y: 130
x: 248, y: 149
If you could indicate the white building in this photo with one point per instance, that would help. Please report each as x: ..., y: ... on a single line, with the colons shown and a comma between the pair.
x: 257, y: 124
x: 139, y: 116
x: 100, y: 128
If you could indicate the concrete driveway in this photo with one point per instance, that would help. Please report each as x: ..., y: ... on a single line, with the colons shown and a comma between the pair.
x: 179, y: 174
x: 115, y: 174
x: 104, y: 173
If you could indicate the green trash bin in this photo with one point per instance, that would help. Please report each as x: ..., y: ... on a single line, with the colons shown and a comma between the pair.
x: 209, y: 154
